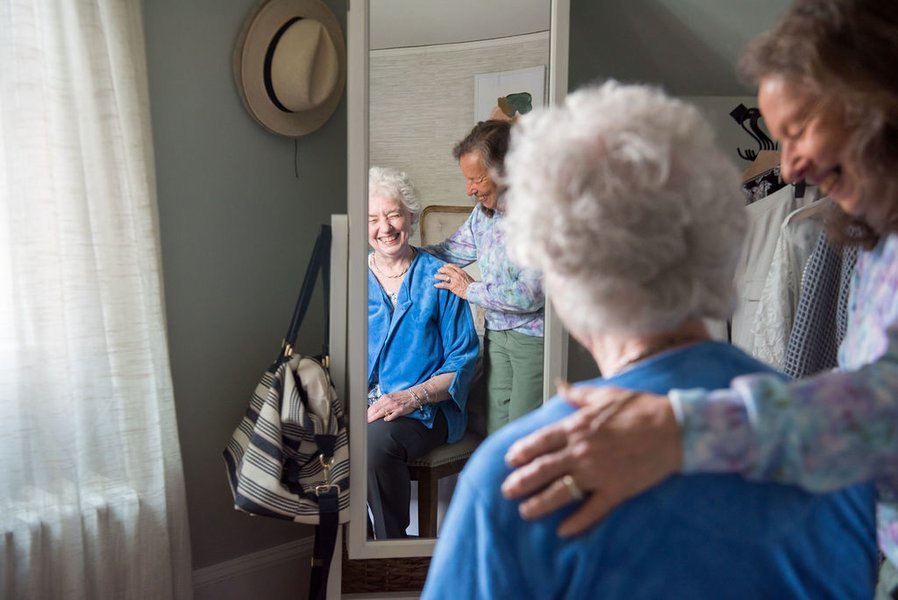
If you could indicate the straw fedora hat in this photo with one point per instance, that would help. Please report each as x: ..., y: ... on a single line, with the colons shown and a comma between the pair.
x: 290, y: 65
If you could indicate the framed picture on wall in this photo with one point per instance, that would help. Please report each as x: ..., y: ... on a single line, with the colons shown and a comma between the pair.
x: 507, y: 93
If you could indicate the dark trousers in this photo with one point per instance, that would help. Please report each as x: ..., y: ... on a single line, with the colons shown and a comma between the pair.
x: 390, y: 447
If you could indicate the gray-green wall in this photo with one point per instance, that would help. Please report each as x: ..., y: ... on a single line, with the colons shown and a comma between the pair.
x: 237, y: 229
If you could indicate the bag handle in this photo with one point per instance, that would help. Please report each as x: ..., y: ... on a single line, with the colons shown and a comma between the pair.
x: 319, y: 263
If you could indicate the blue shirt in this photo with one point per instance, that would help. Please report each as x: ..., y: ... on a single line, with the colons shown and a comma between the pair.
x: 697, y: 536
x: 429, y: 332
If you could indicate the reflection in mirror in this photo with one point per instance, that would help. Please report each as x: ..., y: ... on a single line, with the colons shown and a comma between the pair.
x: 442, y: 339
x: 436, y: 174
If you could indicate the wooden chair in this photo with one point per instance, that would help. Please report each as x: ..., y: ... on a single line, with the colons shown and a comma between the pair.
x: 433, y: 466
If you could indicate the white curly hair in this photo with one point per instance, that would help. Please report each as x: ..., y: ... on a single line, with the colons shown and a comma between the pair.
x: 393, y: 183
x: 621, y: 197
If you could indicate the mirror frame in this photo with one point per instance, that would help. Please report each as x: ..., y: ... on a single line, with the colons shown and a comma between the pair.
x: 555, y: 355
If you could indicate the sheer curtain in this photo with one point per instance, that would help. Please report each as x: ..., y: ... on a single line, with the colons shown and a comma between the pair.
x: 91, y: 486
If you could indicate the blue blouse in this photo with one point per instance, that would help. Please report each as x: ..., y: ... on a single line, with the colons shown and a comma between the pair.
x: 429, y: 332
x: 697, y: 536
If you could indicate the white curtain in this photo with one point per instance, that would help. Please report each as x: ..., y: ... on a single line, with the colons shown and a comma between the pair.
x: 92, y: 501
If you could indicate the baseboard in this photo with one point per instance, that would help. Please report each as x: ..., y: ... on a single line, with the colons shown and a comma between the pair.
x: 278, y: 571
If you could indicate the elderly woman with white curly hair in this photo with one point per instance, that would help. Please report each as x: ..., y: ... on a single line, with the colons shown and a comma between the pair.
x: 621, y: 198
x: 422, y: 351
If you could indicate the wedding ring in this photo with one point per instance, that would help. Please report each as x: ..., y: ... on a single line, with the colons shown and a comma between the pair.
x: 448, y: 280
x: 572, y: 488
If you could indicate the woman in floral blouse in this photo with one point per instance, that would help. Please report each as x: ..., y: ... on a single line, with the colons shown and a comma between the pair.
x: 511, y: 296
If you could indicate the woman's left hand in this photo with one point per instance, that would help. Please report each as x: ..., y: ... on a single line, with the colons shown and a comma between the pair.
x: 455, y: 279
x: 618, y: 444
x: 390, y: 407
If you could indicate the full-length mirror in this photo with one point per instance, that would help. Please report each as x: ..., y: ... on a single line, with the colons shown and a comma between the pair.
x: 422, y: 74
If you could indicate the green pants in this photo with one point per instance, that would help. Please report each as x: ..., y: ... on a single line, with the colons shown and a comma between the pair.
x: 514, y: 376
x: 888, y: 581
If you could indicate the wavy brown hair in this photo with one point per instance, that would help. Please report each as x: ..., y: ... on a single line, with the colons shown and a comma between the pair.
x: 844, y: 53
x: 490, y: 140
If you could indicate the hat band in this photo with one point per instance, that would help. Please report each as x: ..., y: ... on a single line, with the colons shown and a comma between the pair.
x: 269, y: 56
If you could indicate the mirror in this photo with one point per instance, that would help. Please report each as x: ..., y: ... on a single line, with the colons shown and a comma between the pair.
x: 413, y: 86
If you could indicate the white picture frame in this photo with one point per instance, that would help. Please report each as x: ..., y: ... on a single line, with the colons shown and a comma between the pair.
x: 489, y: 87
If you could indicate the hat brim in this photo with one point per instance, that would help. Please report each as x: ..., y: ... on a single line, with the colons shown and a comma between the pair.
x: 258, y: 30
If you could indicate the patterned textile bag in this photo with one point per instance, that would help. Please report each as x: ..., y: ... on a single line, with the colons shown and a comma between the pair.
x: 289, y: 456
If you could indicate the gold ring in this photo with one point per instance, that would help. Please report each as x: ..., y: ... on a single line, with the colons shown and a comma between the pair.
x: 572, y: 488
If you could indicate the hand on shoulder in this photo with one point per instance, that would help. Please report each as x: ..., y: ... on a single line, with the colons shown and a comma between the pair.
x: 618, y: 444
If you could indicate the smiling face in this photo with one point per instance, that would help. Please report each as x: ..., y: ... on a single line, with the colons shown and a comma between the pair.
x: 814, y: 142
x: 478, y: 182
x: 389, y: 226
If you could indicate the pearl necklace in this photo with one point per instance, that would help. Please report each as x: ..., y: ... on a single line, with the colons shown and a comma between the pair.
x: 397, y: 276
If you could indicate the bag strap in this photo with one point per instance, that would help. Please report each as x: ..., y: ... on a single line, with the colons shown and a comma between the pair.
x: 328, y: 496
x: 319, y: 263
x: 325, y: 542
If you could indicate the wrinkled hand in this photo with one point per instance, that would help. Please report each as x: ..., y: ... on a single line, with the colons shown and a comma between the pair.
x: 390, y: 407
x: 618, y: 444
x: 455, y: 279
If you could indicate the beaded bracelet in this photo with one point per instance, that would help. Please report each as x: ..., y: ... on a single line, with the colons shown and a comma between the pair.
x: 426, y: 393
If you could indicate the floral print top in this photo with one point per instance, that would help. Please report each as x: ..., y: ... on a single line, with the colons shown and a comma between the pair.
x: 823, y: 432
x: 511, y: 296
